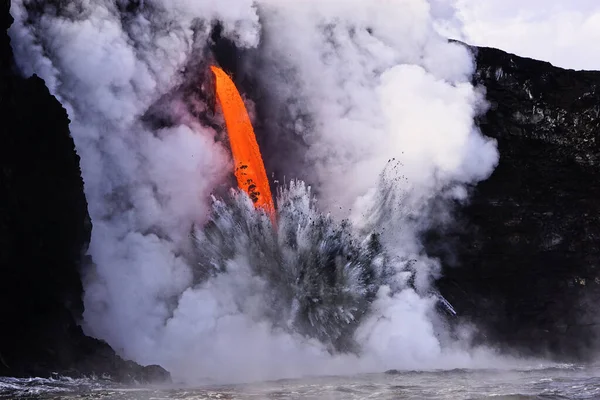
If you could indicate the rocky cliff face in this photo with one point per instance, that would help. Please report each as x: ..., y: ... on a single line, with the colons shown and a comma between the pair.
x: 523, y: 259
x: 44, y: 231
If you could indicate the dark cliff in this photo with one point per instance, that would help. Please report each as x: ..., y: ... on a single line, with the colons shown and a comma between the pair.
x: 522, y: 260
x: 44, y: 231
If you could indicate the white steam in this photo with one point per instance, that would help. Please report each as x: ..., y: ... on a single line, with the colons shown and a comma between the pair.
x: 401, y: 91
x: 377, y: 81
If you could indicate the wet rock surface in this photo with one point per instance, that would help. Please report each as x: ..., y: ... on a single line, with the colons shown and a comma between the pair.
x: 522, y: 260
x: 44, y: 232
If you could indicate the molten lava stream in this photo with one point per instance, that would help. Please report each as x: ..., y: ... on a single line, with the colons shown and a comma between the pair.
x: 249, y: 168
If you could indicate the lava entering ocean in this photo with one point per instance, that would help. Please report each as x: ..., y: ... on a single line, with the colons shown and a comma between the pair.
x: 249, y: 168
x: 340, y: 88
x: 319, y: 273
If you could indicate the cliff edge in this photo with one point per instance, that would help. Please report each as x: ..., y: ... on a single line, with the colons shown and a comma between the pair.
x: 44, y: 232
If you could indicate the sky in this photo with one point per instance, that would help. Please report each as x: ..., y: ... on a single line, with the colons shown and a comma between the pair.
x: 564, y: 32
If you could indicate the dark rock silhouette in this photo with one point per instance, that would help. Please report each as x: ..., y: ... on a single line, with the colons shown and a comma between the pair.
x: 44, y: 232
x: 522, y: 260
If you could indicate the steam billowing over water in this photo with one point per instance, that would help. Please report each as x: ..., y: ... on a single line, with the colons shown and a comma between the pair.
x: 317, y: 278
x: 367, y: 103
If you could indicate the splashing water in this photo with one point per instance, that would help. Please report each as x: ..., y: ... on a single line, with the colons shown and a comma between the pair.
x: 321, y: 276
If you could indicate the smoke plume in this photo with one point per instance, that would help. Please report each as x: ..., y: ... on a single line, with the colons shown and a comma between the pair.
x: 349, y: 86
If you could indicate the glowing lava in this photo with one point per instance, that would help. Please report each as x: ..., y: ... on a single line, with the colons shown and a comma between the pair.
x: 249, y: 168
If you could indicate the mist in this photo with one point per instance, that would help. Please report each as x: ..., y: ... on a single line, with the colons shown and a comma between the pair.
x: 381, y: 108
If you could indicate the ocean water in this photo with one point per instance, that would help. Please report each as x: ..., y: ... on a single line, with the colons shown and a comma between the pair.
x: 559, y: 382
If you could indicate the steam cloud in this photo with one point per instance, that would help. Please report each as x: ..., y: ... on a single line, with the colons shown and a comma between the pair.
x: 361, y: 82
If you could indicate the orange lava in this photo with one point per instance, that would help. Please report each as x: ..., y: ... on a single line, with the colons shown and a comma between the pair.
x: 249, y: 168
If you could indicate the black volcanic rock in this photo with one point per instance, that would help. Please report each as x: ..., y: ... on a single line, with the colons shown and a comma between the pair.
x: 522, y: 262
x: 44, y: 232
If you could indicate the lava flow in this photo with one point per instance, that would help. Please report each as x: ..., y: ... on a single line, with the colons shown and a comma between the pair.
x: 248, y: 164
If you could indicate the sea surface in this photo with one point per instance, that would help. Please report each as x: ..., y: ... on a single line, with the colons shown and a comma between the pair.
x: 561, y: 382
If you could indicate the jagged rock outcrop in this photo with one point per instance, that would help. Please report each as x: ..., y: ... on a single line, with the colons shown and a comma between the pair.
x: 44, y: 231
x: 522, y: 262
